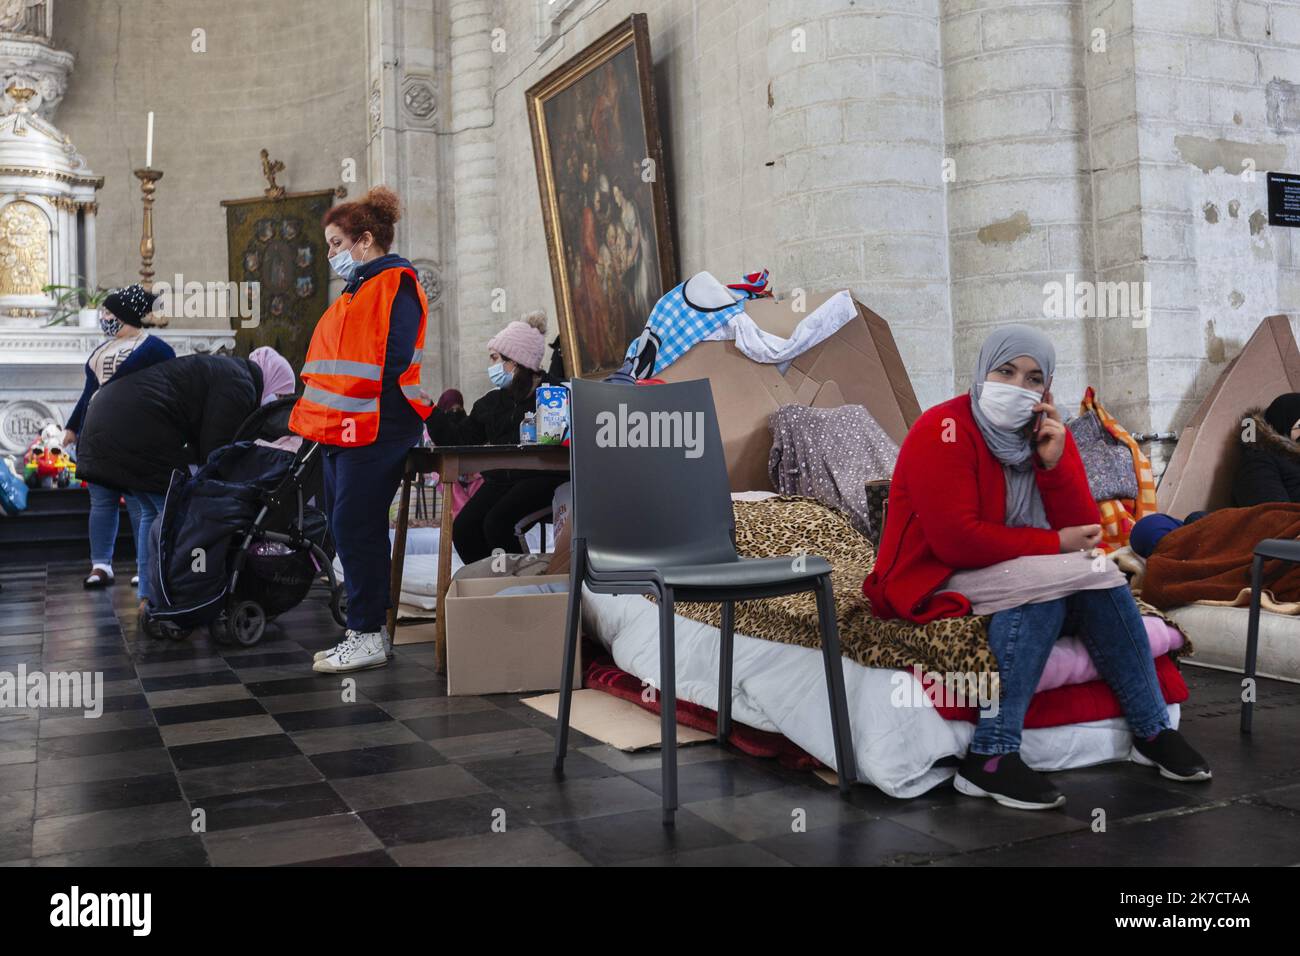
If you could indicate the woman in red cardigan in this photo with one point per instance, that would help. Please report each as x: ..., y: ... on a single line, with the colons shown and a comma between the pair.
x: 984, y: 478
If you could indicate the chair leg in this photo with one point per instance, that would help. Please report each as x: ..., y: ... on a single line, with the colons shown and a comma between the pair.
x: 1252, y: 638
x: 845, y: 764
x: 725, y: 653
x: 577, y: 571
x: 668, y: 704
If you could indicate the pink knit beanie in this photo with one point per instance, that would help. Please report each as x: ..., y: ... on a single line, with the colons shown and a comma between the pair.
x: 522, y: 341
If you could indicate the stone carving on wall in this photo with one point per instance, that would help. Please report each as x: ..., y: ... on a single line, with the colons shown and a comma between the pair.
x: 419, y: 99
x: 24, y: 249
x: 430, y: 279
x: 23, y: 16
x: 28, y: 60
x: 376, y: 108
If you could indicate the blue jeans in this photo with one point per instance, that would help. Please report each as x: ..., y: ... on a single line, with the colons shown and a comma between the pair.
x: 150, y: 505
x: 1110, y: 626
x: 103, y: 523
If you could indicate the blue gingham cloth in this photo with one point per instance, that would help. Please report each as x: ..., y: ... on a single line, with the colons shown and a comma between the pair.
x: 673, y: 327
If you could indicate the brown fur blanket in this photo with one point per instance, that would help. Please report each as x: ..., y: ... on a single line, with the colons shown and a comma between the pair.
x: 1209, y: 559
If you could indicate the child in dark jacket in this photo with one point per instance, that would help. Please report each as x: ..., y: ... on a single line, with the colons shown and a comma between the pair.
x: 487, y: 521
x: 1270, y: 458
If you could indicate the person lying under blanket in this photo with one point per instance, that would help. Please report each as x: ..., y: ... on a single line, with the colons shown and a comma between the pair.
x: 1268, y: 472
x: 992, y: 476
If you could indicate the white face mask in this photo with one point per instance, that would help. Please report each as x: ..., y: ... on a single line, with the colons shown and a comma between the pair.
x: 1008, y: 407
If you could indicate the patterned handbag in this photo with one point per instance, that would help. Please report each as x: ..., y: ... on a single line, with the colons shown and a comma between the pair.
x: 1109, y: 464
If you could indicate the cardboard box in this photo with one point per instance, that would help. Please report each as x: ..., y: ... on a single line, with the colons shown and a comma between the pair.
x: 1200, y: 472
x: 505, y: 645
x: 858, y: 365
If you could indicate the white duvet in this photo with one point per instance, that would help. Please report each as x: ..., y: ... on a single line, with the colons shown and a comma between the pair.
x: 781, y: 688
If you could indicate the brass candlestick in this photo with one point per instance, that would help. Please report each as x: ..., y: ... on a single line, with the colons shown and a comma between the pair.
x: 148, y: 185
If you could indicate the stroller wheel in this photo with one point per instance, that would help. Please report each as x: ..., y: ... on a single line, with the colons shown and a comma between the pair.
x: 246, y: 623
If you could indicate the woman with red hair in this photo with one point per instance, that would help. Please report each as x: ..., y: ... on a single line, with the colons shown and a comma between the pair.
x: 362, y: 401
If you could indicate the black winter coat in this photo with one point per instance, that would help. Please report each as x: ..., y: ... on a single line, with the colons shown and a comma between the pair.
x: 1269, y: 469
x: 140, y: 428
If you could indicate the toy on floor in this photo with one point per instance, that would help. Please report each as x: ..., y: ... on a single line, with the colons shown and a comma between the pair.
x: 46, y: 463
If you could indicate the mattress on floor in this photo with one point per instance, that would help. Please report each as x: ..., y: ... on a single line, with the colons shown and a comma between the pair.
x: 1218, y: 636
x: 781, y: 688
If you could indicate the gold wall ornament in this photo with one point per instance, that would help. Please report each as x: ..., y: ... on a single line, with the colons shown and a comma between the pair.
x: 24, y: 249
x: 269, y: 169
x: 148, y: 186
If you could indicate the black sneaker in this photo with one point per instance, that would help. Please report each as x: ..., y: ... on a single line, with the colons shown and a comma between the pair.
x: 1010, y: 783
x: 1173, y: 755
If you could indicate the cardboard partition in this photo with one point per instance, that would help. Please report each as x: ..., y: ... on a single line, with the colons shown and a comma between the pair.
x: 858, y: 365
x: 505, y: 645
x: 1200, y: 472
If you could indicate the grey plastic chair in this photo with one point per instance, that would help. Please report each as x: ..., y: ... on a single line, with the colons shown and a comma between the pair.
x: 658, y: 520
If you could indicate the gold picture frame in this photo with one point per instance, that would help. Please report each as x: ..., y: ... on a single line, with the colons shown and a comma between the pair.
x: 602, y: 181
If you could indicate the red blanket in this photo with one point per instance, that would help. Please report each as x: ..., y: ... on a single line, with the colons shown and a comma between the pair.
x: 1080, y: 703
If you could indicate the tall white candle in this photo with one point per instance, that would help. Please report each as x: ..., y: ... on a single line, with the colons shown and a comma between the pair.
x: 148, y: 147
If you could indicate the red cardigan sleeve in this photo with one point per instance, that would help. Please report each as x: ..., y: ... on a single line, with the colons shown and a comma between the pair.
x: 942, y: 480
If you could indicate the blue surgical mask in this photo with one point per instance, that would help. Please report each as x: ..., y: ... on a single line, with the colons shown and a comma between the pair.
x: 498, y: 375
x: 344, y: 265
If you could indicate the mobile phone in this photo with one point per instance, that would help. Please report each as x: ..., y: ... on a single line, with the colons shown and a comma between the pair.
x: 1038, y: 419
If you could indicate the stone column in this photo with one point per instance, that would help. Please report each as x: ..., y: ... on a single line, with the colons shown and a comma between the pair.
x: 1019, y: 203
x: 856, y: 130
x: 474, y: 179
x: 92, y: 270
x: 404, y: 153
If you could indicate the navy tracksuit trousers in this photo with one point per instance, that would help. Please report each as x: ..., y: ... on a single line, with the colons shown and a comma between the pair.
x: 359, y: 488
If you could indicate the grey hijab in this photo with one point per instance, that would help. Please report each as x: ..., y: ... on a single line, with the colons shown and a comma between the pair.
x: 1014, y: 449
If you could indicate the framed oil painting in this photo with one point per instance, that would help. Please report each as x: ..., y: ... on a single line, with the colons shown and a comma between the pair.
x: 601, y: 175
x: 279, y: 243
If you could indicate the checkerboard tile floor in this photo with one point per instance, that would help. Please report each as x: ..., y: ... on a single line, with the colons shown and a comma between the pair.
x: 216, y: 755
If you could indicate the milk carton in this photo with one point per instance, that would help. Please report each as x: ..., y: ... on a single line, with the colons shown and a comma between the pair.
x: 552, y: 414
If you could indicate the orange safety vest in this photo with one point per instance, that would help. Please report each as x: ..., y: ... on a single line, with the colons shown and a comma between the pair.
x: 345, y: 365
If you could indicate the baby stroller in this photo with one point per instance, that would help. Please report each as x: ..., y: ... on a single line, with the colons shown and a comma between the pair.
x: 237, y: 544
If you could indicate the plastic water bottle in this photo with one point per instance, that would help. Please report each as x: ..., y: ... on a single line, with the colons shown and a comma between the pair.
x: 528, y: 429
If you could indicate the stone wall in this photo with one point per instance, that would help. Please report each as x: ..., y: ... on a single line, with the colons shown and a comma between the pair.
x: 289, y: 76
x: 947, y: 160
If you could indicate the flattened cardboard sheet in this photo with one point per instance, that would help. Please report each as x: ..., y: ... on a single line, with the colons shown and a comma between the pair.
x: 612, y: 720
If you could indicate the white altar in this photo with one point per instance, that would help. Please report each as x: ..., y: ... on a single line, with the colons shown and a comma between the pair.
x: 48, y: 205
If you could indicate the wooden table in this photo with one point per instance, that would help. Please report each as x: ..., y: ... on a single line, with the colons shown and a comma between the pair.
x: 450, y: 462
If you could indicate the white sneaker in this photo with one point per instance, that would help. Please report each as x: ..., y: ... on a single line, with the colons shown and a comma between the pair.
x: 349, y: 638
x: 366, y: 650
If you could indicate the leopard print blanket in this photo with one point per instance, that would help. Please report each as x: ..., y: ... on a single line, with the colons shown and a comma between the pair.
x: 788, y: 525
